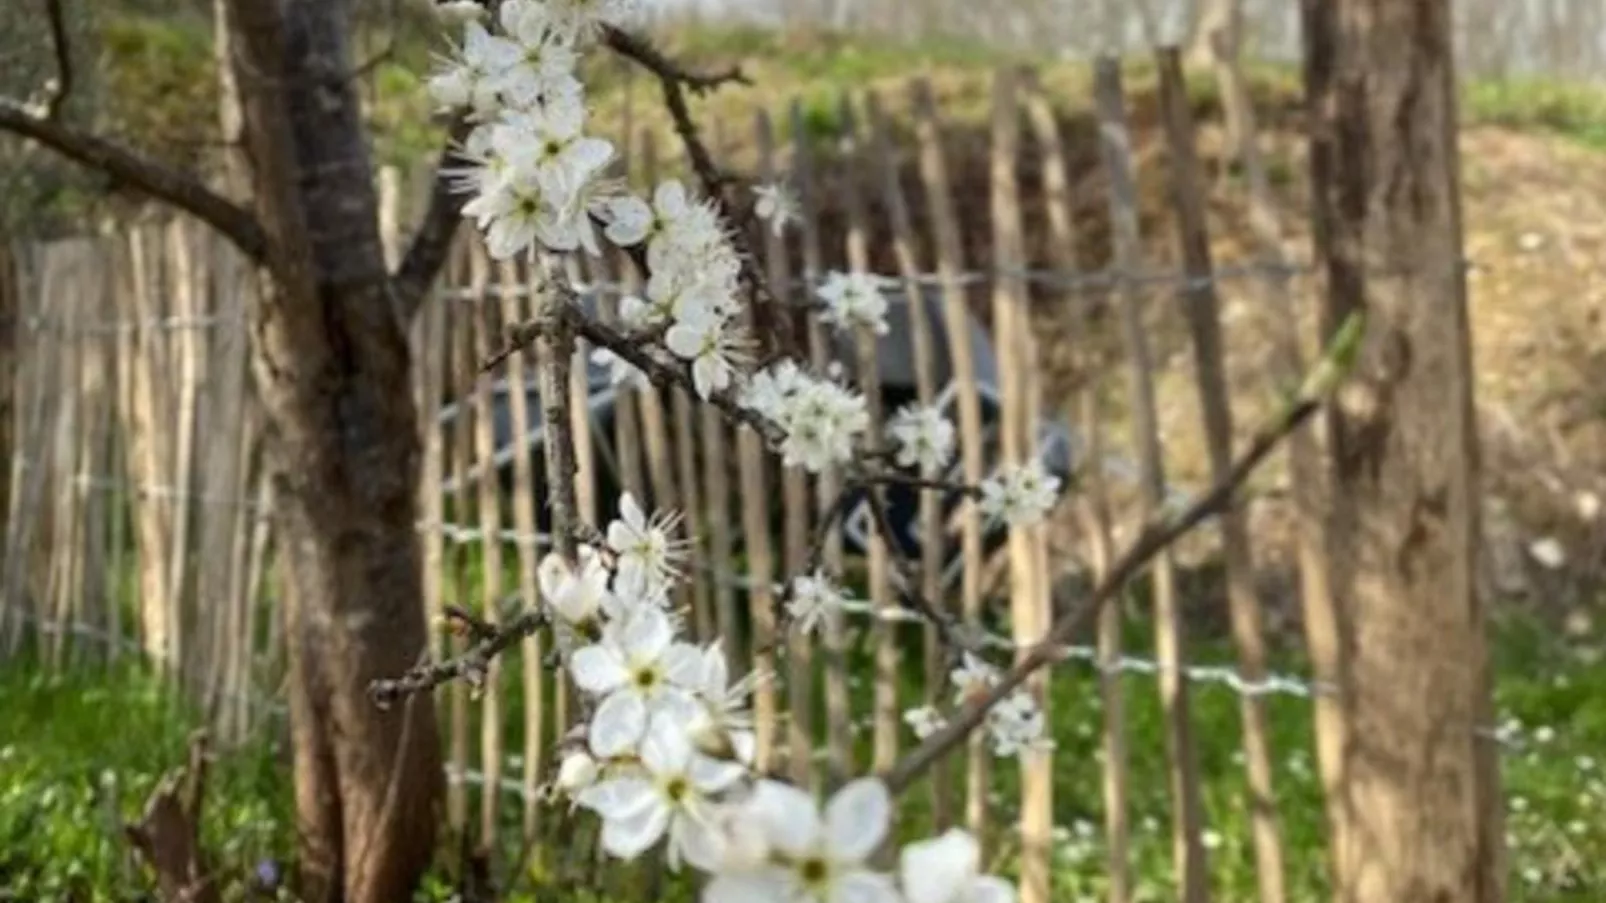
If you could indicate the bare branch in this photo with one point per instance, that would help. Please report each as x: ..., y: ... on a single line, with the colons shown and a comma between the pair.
x: 1157, y: 534
x: 432, y: 241
x: 141, y: 173
x: 471, y: 666
x: 640, y: 50
x: 769, y: 317
x: 57, y: 91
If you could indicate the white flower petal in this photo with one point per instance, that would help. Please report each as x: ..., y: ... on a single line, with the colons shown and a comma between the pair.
x: 597, y: 669
x: 789, y: 816
x: 934, y: 871
x: 647, y: 633
x: 627, y: 838
x: 618, y: 797
x: 617, y: 726
x: 711, y: 775
x: 666, y: 750
x: 683, y: 666
x: 856, y: 819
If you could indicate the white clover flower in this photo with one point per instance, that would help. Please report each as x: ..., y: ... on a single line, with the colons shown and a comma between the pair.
x: 644, y: 552
x: 1019, y: 496
x: 814, y: 858
x: 924, y: 438
x: 777, y: 205
x: 924, y: 721
x: 673, y: 795
x: 710, y: 345
x: 638, y: 669
x: 814, y: 597
x: 855, y: 299
x: 947, y: 869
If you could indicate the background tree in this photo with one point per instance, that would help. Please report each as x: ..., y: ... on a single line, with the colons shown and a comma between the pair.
x: 1412, y: 788
x: 331, y: 360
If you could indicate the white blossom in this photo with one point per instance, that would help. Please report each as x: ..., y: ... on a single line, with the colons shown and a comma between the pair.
x: 924, y: 721
x: 924, y: 438
x: 776, y: 205
x: 815, y: 857
x: 579, y: 598
x: 577, y: 772
x: 855, y: 300
x: 947, y: 869
x: 813, y: 599
x: 820, y: 420
x: 638, y: 669
x: 672, y: 794
x: 709, y: 345
x: 724, y: 727
x: 1019, y: 496
x: 972, y: 679
x: 645, y: 555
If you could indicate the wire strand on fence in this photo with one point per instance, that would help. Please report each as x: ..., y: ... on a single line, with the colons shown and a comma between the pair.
x: 1063, y: 280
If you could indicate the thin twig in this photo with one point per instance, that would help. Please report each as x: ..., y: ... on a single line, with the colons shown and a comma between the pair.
x: 1157, y: 534
x: 769, y: 318
x: 140, y: 173
x: 471, y: 665
x: 56, y: 92
x: 639, y: 50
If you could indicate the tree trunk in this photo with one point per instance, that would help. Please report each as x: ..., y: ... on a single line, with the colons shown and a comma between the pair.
x: 1415, y: 810
x: 332, y: 365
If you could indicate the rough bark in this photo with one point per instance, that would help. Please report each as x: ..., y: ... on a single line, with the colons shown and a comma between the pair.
x: 1415, y: 815
x: 332, y: 365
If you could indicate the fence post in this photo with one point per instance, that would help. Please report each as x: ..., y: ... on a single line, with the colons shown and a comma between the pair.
x: 1187, y: 807
x: 1200, y: 308
x: 1029, y: 615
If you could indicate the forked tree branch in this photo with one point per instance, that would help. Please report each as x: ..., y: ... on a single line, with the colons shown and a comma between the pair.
x: 769, y: 317
x: 432, y: 240
x: 147, y: 176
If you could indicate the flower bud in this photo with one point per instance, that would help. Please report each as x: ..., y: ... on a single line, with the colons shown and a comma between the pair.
x: 577, y: 772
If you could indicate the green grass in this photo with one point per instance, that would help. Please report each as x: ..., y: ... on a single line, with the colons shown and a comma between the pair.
x: 77, y: 751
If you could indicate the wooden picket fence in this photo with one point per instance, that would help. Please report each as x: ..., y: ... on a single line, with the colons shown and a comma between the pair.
x: 141, y: 516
